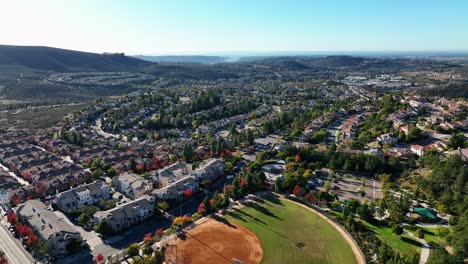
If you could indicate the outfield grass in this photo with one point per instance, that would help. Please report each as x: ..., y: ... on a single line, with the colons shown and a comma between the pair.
x: 292, y: 234
x: 402, y: 244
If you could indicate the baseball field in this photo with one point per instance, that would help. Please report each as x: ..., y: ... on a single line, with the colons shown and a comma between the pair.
x: 268, y: 230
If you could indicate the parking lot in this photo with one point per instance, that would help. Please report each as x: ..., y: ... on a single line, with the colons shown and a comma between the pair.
x: 348, y: 186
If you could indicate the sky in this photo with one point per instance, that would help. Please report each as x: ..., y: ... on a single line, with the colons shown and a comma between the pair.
x: 219, y: 26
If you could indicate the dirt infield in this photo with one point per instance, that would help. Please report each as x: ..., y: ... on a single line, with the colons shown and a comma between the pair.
x: 218, y: 242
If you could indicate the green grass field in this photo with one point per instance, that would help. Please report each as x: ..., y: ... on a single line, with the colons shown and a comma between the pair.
x: 292, y: 234
x: 402, y: 244
x: 429, y: 234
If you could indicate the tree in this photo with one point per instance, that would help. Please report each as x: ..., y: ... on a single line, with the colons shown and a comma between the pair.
x: 327, y: 186
x: 103, y: 228
x: 147, y: 237
x: 235, y: 190
x: 111, y: 172
x: 188, y: 153
x: 148, y: 250
x: 207, y: 205
x: 297, y: 158
x: 98, y: 258
x: 419, y: 233
x: 457, y: 141
x: 12, y: 218
x: 250, y: 137
x: 397, y: 229
x: 132, y: 165
x: 160, y: 232
x: 297, y: 190
x: 133, y: 250
x: 96, y: 173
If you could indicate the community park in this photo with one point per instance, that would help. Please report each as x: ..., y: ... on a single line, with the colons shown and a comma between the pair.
x: 268, y: 229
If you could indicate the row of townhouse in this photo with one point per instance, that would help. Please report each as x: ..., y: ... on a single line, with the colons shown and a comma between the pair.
x: 132, y: 185
x: 7, y: 184
x: 51, y: 228
x: 124, y: 216
x: 179, y: 177
x: 40, y: 168
x: 87, y: 194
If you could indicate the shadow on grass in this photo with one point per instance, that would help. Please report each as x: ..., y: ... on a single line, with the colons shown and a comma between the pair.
x: 273, y: 199
x: 249, y: 215
x: 224, y: 221
x: 263, y: 210
x: 237, y: 216
x: 410, y: 241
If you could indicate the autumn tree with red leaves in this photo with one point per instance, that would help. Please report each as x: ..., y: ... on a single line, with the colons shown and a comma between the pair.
x: 160, y: 232
x: 147, y: 237
x: 297, y: 190
x: 12, y: 218
x: 297, y: 158
x: 99, y: 258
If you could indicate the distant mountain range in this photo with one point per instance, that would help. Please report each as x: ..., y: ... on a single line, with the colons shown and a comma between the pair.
x: 62, y: 60
x: 23, y: 69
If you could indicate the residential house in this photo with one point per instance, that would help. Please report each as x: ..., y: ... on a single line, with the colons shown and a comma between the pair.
x: 51, y: 228
x: 210, y: 169
x: 163, y: 176
x: 387, y: 139
x: 132, y: 185
x: 176, y: 188
x: 124, y: 216
x: 83, y: 195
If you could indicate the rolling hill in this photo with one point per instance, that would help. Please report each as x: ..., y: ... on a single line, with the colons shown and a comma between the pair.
x: 62, y: 60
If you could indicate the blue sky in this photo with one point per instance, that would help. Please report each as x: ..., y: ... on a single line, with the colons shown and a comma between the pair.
x: 217, y: 26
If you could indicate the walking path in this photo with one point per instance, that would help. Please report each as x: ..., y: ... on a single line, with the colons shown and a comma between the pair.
x: 425, y: 249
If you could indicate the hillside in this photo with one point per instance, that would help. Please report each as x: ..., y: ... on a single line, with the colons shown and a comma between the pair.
x: 61, y: 60
x: 183, y: 59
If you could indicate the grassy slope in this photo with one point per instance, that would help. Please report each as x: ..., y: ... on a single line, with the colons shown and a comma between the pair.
x: 429, y: 234
x: 403, y: 244
x: 281, y: 225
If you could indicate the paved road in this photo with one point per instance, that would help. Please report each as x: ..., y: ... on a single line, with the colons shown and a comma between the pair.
x: 15, y: 253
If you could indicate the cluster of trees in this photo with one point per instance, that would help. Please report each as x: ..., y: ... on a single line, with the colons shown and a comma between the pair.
x: 372, y: 127
x: 284, y: 119
x: 73, y: 137
x: 98, y: 167
x: 182, y: 221
x: 318, y: 137
x: 414, y: 134
x: 457, y: 141
x: 246, y: 182
x: 446, y: 187
x: 84, y: 214
x: 25, y: 232
x: 149, y: 255
x: 218, y: 201
x: 246, y: 137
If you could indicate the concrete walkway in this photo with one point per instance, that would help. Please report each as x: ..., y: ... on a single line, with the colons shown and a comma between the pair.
x: 425, y: 249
